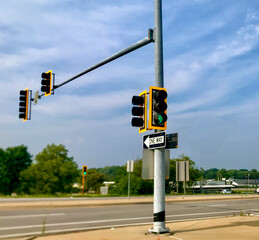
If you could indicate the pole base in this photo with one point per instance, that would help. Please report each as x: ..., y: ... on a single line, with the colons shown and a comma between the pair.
x: 159, y: 230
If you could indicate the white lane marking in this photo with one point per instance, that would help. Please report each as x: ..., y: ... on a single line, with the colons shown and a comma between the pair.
x: 176, y: 238
x: 73, y: 230
x: 108, y: 220
x: 100, y: 227
x: 209, y: 213
x: 218, y: 205
x: 33, y: 215
x: 72, y: 223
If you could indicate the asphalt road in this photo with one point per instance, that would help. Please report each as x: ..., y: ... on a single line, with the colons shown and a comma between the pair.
x: 20, y: 223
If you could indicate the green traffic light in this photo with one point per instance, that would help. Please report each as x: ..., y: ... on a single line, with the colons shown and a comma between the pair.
x: 160, y: 119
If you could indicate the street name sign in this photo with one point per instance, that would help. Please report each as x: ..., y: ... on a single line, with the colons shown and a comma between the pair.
x: 171, y: 140
x: 156, y: 140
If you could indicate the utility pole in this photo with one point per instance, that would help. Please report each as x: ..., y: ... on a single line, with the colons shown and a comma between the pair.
x: 159, y: 155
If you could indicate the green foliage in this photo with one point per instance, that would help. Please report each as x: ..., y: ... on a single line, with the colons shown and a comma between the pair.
x: 217, y: 174
x: 111, y: 173
x: 195, y: 174
x: 93, y: 181
x: 12, y: 162
x: 210, y: 173
x: 52, y: 172
x: 138, y: 186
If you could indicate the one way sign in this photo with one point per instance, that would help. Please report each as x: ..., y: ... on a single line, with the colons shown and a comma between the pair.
x: 156, y: 140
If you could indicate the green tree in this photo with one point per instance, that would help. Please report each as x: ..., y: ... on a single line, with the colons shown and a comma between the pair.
x: 12, y: 162
x: 137, y: 184
x: 111, y: 173
x: 194, y: 173
x: 52, y: 172
x: 210, y: 173
x: 94, y: 181
x: 254, y: 174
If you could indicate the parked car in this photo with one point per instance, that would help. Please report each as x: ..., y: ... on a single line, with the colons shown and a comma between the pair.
x: 226, y: 191
x: 257, y: 190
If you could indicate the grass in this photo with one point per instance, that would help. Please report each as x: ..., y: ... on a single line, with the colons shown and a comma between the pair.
x: 80, y: 195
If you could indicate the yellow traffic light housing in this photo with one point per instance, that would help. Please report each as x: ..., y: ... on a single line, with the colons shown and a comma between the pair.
x: 46, y: 82
x: 157, y: 108
x: 140, y: 111
x: 24, y: 104
x: 84, y: 170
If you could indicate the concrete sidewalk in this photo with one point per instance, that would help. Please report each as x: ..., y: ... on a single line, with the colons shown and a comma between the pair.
x: 238, y: 228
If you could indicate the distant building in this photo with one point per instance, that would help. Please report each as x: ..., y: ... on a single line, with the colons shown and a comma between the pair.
x: 104, y: 190
x: 247, y: 182
x: 213, y: 186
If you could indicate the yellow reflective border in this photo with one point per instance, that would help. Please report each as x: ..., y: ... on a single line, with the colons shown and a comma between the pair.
x: 83, y: 170
x: 50, y: 83
x: 143, y: 129
x: 150, y: 126
x: 26, y: 107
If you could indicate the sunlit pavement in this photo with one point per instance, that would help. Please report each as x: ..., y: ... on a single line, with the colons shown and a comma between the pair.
x: 238, y: 228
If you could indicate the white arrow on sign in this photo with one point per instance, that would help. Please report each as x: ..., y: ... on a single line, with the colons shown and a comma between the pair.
x: 147, y: 142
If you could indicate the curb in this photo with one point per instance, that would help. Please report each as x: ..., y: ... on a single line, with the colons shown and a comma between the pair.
x: 93, y: 203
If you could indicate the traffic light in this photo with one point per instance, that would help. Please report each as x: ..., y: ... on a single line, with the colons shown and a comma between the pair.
x: 84, y: 170
x: 140, y: 111
x: 157, y: 108
x: 46, y: 82
x: 24, y: 104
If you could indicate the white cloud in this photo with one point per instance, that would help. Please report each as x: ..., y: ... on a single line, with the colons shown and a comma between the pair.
x: 243, y: 108
x: 27, y: 56
x: 245, y: 40
x: 181, y: 73
x: 99, y: 104
x: 252, y: 15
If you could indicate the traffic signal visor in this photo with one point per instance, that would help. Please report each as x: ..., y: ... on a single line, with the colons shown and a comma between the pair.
x: 46, y: 82
x: 157, y: 108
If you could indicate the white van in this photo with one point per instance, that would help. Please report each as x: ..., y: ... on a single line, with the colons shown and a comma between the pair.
x: 226, y: 191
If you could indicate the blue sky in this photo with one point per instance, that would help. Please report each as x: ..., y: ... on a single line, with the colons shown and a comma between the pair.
x: 210, y: 71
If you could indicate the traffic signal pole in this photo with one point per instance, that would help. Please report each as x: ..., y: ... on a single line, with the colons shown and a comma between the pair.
x: 159, y: 156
